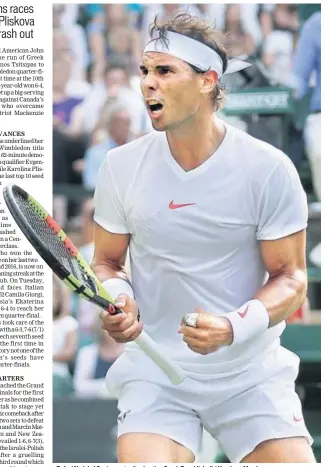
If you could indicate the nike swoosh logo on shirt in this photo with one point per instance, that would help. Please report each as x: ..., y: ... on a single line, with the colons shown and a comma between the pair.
x: 177, y: 206
x: 242, y: 314
x: 297, y: 419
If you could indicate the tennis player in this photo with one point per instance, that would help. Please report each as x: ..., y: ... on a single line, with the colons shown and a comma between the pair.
x: 215, y: 221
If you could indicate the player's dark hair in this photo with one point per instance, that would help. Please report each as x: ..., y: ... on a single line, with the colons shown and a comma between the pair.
x: 200, y: 30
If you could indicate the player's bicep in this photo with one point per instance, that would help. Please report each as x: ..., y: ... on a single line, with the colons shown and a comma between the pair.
x: 285, y: 255
x: 110, y: 248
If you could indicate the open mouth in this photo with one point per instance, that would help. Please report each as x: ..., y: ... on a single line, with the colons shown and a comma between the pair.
x: 155, y: 108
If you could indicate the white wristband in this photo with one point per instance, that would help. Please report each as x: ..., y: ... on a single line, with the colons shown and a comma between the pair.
x: 116, y: 286
x: 248, y: 321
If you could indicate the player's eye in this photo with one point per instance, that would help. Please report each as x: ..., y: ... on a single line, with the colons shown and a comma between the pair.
x: 163, y: 70
x: 143, y: 71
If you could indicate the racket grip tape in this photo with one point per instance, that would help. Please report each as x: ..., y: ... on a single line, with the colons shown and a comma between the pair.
x: 174, y: 372
x: 112, y: 310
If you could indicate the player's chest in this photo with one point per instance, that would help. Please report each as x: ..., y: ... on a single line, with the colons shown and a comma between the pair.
x: 183, y: 216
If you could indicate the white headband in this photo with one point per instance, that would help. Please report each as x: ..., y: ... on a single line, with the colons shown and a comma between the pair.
x: 193, y: 52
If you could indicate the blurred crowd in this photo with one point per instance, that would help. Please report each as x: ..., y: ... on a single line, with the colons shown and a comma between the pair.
x: 97, y: 105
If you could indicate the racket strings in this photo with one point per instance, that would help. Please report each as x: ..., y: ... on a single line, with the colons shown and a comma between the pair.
x: 54, y: 244
x: 91, y: 283
x: 81, y: 274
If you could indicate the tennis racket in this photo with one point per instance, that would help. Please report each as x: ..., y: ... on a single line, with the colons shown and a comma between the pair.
x: 63, y: 257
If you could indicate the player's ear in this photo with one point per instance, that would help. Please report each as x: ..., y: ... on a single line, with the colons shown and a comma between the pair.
x: 208, y: 81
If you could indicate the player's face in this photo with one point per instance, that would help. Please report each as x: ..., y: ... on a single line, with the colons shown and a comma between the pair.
x: 171, y: 90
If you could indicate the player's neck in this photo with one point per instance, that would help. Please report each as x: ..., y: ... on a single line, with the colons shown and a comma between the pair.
x: 191, y: 146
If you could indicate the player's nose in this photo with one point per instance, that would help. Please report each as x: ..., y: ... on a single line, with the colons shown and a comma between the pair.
x: 149, y: 82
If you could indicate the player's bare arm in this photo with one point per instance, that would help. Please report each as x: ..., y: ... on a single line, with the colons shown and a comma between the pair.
x: 108, y: 263
x: 109, y: 254
x: 286, y: 289
x: 282, y: 295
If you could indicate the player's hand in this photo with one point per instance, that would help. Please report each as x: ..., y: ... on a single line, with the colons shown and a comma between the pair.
x: 212, y: 333
x: 123, y: 327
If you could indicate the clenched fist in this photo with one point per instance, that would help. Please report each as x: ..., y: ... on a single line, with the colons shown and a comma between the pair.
x: 210, y: 334
x: 123, y: 327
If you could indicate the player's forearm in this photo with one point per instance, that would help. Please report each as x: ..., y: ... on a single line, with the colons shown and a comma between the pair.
x: 283, y: 294
x: 109, y: 255
x: 108, y: 269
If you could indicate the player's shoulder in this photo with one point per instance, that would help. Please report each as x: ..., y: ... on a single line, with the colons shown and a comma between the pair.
x: 253, y: 152
x: 314, y: 20
x: 132, y: 151
x: 123, y: 163
x: 261, y: 162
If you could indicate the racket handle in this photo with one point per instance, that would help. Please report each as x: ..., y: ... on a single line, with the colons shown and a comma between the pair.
x: 149, y: 347
x: 170, y: 368
x: 112, y: 310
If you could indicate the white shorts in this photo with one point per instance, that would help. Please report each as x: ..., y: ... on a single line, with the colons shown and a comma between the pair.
x: 240, y: 411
